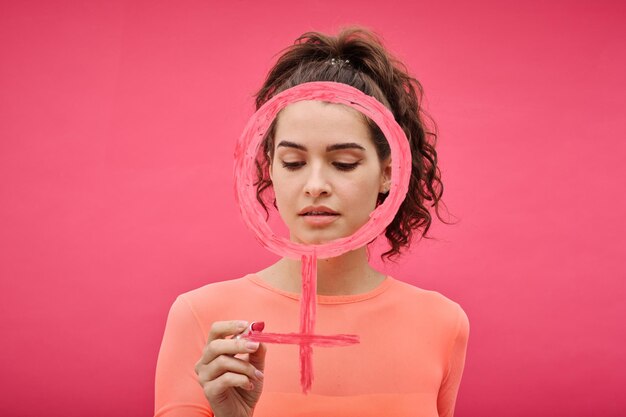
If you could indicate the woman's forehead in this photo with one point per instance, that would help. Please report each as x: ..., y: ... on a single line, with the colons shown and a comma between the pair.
x: 318, y: 121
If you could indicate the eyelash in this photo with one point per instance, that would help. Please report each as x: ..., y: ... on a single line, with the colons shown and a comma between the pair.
x: 292, y: 166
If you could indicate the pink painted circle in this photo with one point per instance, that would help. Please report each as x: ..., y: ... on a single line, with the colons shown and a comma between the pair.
x: 251, y: 140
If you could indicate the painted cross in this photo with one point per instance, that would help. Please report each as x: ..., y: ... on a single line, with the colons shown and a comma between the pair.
x: 306, y: 339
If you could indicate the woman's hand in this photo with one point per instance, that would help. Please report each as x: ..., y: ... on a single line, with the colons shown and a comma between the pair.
x: 232, y: 385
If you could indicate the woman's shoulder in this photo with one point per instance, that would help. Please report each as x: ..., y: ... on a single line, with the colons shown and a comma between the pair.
x: 226, y: 289
x: 433, y: 301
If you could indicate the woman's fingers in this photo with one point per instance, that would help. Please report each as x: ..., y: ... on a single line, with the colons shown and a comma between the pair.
x: 257, y: 358
x: 214, y: 361
x: 225, y: 381
x: 227, y: 364
x: 219, y: 347
x: 221, y: 329
x: 219, y: 369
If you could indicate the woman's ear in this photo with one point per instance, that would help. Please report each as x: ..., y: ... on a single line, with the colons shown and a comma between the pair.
x: 385, y: 176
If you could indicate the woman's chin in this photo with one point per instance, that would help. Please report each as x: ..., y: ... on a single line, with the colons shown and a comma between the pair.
x: 314, y: 239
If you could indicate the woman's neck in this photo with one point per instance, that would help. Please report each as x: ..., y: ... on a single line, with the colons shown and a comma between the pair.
x: 346, y: 274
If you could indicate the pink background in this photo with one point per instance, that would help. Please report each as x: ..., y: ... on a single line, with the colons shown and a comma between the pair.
x: 117, y: 131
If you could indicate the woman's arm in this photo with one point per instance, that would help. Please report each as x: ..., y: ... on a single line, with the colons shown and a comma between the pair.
x: 177, y: 390
x: 456, y: 362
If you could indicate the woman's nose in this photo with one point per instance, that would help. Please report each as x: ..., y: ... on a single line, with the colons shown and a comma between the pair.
x: 317, y: 182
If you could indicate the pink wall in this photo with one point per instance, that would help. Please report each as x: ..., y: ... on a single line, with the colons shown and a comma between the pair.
x: 118, y: 124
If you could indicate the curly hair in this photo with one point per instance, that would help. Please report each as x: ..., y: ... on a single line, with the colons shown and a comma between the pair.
x: 374, y: 71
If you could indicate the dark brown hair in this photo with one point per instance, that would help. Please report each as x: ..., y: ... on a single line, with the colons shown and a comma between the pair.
x: 375, y: 72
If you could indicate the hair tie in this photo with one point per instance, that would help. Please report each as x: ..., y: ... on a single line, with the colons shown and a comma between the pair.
x: 340, y: 62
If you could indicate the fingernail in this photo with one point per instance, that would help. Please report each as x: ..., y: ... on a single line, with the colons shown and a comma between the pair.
x: 259, y: 374
x: 241, y: 325
x: 250, y: 386
x: 252, y: 345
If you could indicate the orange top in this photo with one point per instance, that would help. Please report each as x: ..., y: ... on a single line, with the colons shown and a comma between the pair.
x: 409, y: 361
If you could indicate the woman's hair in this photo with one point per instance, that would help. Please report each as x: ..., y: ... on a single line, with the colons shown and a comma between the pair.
x: 375, y: 72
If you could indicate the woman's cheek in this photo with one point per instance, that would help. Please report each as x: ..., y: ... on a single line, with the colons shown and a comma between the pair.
x: 281, y: 201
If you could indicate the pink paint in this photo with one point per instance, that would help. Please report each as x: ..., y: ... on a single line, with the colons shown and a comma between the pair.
x: 308, y: 310
x: 245, y: 176
x: 247, y: 150
x: 305, y: 339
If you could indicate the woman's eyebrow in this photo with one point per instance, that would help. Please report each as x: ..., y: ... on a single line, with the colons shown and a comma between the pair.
x: 288, y: 144
x: 329, y: 148
x: 348, y: 145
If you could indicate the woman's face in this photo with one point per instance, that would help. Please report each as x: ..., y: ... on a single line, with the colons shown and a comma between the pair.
x: 325, y: 171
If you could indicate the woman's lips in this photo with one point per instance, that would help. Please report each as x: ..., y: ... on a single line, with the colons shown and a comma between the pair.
x: 319, y: 219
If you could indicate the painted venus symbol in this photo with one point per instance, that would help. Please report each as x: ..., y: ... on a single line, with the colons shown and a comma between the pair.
x: 245, y: 176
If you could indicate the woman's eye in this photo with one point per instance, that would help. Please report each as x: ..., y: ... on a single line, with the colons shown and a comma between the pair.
x: 292, y: 166
x: 344, y: 166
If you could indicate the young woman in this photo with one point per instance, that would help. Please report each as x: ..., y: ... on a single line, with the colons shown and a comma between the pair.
x: 329, y: 167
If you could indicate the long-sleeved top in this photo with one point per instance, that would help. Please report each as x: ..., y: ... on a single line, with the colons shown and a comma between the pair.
x: 409, y: 361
